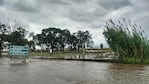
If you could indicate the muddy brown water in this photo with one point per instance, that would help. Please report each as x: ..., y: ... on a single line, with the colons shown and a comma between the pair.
x: 71, y: 72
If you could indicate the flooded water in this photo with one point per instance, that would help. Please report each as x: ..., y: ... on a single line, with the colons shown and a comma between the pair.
x: 71, y: 72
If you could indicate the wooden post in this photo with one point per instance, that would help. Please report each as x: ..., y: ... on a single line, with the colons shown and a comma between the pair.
x: 11, y: 59
x: 0, y: 48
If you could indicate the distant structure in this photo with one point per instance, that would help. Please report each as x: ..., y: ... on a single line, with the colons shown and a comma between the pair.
x: 101, y: 45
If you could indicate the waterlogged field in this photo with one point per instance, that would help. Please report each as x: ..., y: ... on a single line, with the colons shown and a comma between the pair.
x: 71, y: 72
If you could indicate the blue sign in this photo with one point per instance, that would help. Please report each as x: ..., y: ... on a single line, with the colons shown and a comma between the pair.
x: 18, y: 50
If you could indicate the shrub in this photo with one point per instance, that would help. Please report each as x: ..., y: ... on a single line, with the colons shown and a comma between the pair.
x: 126, y: 39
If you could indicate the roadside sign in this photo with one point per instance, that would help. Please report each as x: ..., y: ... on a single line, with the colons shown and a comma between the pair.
x: 15, y: 50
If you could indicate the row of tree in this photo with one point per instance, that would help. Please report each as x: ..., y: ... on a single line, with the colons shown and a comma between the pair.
x: 56, y: 38
x: 49, y: 38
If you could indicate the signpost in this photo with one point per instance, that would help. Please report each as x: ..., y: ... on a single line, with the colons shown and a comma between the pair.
x: 18, y: 50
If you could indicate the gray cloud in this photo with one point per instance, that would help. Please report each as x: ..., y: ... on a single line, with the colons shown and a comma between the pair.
x: 25, y: 8
x: 86, y: 14
x: 56, y: 2
x: 113, y: 4
x: 1, y: 2
x: 24, y: 5
x: 74, y: 14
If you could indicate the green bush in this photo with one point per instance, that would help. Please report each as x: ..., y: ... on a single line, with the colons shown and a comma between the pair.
x: 127, y: 40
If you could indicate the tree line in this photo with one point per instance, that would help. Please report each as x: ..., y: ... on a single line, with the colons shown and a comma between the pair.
x: 56, y: 38
x: 126, y: 39
x: 49, y: 38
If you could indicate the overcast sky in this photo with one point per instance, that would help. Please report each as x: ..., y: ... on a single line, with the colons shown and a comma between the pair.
x: 74, y: 14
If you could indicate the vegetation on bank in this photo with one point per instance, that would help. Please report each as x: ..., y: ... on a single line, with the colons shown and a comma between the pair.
x: 127, y: 40
x: 49, y: 38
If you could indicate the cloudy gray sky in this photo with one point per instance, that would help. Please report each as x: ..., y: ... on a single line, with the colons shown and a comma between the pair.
x: 74, y: 14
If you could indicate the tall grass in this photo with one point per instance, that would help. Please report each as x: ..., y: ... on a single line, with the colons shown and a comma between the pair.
x: 126, y: 39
